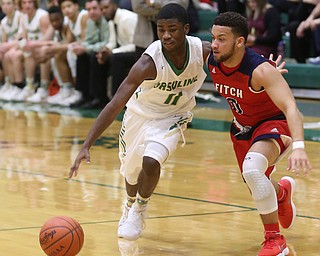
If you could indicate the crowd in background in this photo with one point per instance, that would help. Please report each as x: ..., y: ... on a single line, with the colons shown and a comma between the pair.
x: 77, y: 54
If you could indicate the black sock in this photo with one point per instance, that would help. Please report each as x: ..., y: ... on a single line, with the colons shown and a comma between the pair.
x: 20, y: 85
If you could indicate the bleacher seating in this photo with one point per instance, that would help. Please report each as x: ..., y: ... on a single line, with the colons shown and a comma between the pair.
x: 206, y: 18
x: 306, y: 76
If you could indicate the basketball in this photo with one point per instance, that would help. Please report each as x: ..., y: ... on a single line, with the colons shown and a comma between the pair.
x: 61, y: 236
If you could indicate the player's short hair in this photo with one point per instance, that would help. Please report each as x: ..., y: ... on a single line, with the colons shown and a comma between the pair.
x: 35, y: 4
x: 54, y: 9
x: 173, y: 11
x: 235, y: 21
x: 73, y: 1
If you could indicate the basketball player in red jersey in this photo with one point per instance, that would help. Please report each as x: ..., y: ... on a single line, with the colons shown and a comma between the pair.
x: 266, y: 124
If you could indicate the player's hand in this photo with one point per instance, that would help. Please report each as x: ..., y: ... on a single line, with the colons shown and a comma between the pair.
x: 82, y: 155
x: 279, y: 65
x: 298, y: 162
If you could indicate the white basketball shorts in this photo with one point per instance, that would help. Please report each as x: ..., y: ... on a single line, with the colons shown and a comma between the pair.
x: 135, y: 134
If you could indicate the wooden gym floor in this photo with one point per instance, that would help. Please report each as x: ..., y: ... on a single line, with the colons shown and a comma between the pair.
x: 200, y: 207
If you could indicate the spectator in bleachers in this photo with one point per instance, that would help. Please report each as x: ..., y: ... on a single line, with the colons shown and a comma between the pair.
x: 193, y: 7
x: 52, y: 49
x: 122, y: 57
x: 92, y: 76
x: 301, y: 46
x: 283, y: 5
x: 231, y: 6
x: 264, y: 26
x: 76, y: 21
x: 9, y: 39
x: 312, y: 23
x: 35, y: 25
x: 125, y: 4
x: 208, y: 5
x: 316, y: 60
x: 146, y: 31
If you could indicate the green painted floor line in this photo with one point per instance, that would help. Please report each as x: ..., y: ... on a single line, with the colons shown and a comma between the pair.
x: 242, y: 207
x: 117, y: 220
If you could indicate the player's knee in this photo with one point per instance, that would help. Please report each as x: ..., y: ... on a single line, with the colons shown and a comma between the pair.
x: 150, y: 166
x: 156, y: 151
x: 263, y: 192
x: 253, y: 171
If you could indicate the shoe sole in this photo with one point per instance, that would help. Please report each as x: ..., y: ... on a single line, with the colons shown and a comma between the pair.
x: 124, y: 236
x: 294, y: 210
x: 285, y: 252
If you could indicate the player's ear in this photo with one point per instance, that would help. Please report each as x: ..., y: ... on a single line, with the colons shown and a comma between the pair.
x: 186, y: 28
x: 240, y: 41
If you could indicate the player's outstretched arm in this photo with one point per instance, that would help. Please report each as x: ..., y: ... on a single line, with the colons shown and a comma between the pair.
x: 281, y: 95
x: 142, y: 70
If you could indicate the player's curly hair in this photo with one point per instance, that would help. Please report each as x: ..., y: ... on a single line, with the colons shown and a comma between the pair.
x: 235, y: 21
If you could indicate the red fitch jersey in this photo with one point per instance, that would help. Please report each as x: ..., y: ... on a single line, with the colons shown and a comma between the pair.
x: 249, y: 107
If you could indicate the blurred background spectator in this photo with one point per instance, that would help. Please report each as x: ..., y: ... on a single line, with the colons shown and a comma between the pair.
x: 146, y: 31
x: 91, y: 76
x: 312, y: 25
x: 122, y: 57
x: 231, y: 6
x: 301, y: 44
x: 264, y: 27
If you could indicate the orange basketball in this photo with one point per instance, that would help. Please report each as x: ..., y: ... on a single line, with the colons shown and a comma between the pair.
x: 61, y: 236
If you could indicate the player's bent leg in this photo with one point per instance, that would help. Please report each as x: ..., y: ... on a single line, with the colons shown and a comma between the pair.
x: 155, y: 154
x: 264, y: 195
x: 132, y: 227
x: 263, y: 192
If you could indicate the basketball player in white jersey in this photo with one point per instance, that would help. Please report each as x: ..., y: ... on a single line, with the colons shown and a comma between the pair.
x: 9, y: 33
x: 159, y: 93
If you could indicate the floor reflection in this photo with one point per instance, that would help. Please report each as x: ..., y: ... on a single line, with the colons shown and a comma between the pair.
x: 128, y: 248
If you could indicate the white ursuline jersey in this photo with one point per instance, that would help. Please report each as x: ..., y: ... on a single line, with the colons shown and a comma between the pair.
x: 10, y: 29
x: 76, y: 27
x: 170, y: 93
x: 33, y: 26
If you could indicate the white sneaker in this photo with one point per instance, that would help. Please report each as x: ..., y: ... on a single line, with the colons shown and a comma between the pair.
x: 26, y: 92
x: 62, y: 94
x: 131, y: 228
x: 40, y: 96
x: 11, y: 93
x: 4, y: 89
x: 124, y: 216
x: 75, y: 96
x: 315, y: 61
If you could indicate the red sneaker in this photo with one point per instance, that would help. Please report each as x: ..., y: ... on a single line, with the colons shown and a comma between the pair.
x: 287, y: 209
x: 274, y: 245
